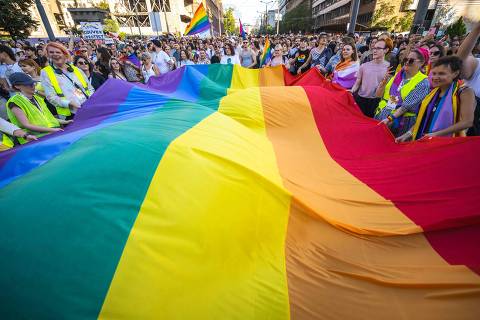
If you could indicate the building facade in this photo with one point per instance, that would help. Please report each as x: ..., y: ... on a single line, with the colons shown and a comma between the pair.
x: 334, y: 15
x: 132, y: 15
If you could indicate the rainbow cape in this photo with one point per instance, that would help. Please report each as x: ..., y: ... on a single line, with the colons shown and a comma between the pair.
x: 242, y: 31
x: 199, y: 22
x: 266, y: 54
x: 219, y: 192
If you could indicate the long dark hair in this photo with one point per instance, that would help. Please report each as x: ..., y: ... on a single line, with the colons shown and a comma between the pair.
x: 104, y: 56
x: 75, y: 61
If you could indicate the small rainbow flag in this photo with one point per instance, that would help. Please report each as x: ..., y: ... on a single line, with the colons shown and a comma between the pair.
x: 267, y: 53
x: 242, y: 31
x: 199, y: 23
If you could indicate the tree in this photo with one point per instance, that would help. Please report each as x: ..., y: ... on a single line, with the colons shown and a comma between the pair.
x: 298, y: 19
x: 16, y: 18
x: 103, y: 5
x: 386, y: 16
x: 457, y: 29
x: 405, y: 22
x: 110, y: 25
x: 445, y: 13
x: 229, y: 21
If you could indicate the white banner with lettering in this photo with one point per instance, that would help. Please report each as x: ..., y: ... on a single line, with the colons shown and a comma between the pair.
x: 92, y: 30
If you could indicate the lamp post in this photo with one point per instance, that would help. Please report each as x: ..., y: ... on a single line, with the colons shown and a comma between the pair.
x: 46, y: 23
x: 420, y: 13
x: 353, y: 15
x: 266, y: 12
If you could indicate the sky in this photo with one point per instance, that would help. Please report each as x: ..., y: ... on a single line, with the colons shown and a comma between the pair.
x: 247, y: 10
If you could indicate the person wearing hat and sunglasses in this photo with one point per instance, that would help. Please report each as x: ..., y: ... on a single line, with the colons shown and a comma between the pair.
x: 28, y: 110
x: 403, y: 93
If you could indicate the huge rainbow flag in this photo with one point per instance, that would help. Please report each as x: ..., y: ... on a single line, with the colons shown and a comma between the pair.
x: 199, y: 22
x: 218, y: 192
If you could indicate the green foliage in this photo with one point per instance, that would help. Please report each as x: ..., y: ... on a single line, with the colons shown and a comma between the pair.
x: 103, y: 5
x: 298, y: 19
x: 387, y: 17
x: 384, y: 16
x: 405, y: 22
x: 110, y: 25
x: 122, y: 36
x: 16, y: 18
x: 457, y: 29
x: 75, y: 30
x: 229, y: 21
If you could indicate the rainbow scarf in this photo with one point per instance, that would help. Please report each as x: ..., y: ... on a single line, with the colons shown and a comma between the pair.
x: 220, y: 192
x: 199, y: 22
x: 266, y: 54
x: 445, y: 113
x: 242, y: 31
x: 395, y: 87
x: 345, y: 73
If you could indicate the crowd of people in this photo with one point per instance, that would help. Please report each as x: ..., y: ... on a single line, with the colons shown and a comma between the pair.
x: 416, y: 85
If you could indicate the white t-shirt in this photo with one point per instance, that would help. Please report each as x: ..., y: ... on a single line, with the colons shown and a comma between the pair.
x: 161, y: 59
x: 474, y: 81
x: 7, y: 69
x: 230, y: 59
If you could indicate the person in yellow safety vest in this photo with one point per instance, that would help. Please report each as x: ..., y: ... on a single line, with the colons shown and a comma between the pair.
x: 28, y: 110
x: 9, y: 129
x: 403, y: 93
x: 66, y: 87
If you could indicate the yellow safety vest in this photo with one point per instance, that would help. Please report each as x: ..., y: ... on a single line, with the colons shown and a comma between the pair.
x: 6, y: 143
x: 404, y: 91
x: 39, y: 117
x: 53, y: 80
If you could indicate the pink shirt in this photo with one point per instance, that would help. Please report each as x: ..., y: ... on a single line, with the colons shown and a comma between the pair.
x: 371, y: 74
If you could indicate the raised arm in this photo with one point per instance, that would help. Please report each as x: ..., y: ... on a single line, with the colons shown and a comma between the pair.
x: 465, y: 52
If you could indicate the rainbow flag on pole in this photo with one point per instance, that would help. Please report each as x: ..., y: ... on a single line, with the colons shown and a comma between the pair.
x: 267, y: 53
x: 199, y: 22
x: 220, y: 192
x: 242, y: 31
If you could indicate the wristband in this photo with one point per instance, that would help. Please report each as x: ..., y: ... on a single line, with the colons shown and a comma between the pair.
x: 25, y: 136
x: 390, y: 118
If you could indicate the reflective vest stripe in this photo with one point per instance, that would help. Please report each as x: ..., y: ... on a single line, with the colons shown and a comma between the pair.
x: 41, y: 118
x: 6, y: 143
x: 53, y: 80
x: 406, y: 89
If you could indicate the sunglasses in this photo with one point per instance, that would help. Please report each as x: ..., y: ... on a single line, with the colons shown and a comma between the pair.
x: 435, y: 53
x: 408, y: 61
x: 81, y: 62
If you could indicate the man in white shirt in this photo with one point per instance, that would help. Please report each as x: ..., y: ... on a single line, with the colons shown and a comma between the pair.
x: 8, y: 66
x: 161, y: 58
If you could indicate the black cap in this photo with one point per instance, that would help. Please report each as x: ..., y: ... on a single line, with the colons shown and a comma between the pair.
x: 20, y: 78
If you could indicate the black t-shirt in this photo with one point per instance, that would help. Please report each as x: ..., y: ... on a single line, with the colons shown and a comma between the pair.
x: 215, y: 59
x: 302, y: 56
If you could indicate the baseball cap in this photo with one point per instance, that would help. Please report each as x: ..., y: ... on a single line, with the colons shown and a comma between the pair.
x: 21, y: 79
